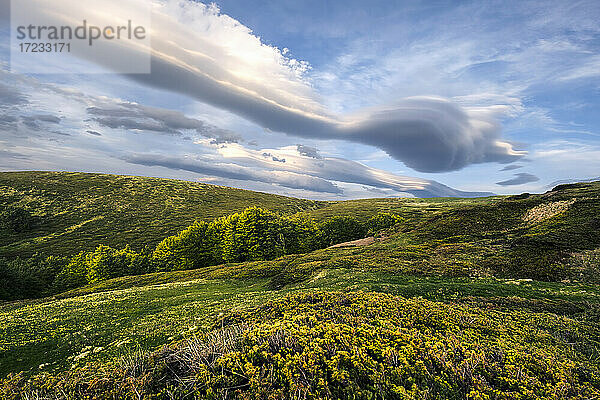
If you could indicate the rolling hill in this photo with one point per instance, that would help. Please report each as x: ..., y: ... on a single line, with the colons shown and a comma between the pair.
x: 78, y: 211
x: 493, y: 298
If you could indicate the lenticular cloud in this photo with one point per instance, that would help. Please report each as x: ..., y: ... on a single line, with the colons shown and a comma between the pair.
x: 209, y: 56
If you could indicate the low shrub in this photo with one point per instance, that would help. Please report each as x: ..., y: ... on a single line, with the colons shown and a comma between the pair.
x: 325, y: 345
x: 17, y: 219
x: 584, y: 266
x: 382, y: 221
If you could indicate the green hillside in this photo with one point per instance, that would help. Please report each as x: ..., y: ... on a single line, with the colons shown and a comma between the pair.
x: 73, y: 212
x: 410, y: 208
x: 77, y: 211
x: 495, y: 298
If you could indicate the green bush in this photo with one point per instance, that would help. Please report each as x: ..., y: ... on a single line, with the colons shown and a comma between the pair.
x: 340, y: 229
x: 383, y: 220
x: 17, y: 219
x: 101, y: 264
x: 28, y: 278
x: 585, y: 266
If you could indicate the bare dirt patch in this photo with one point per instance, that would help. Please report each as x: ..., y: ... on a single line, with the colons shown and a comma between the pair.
x: 358, y: 243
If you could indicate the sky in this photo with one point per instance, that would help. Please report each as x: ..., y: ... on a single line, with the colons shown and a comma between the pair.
x: 325, y: 99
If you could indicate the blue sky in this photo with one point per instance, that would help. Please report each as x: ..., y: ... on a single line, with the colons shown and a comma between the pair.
x: 346, y: 99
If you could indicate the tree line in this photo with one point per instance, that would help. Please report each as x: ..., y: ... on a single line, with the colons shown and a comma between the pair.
x: 252, y: 235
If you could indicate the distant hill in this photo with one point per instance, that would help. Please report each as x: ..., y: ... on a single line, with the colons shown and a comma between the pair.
x: 77, y: 211
x: 568, y: 181
x: 73, y: 212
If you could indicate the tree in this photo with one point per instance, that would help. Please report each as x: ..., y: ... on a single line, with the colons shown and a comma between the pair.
x: 18, y: 280
x: 229, y: 245
x: 254, y: 234
x: 72, y: 275
x: 105, y: 263
x: 193, y: 247
x: 29, y: 278
x: 101, y: 264
x: 300, y: 234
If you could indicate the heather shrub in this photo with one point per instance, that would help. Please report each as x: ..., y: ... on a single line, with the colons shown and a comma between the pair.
x: 326, y: 345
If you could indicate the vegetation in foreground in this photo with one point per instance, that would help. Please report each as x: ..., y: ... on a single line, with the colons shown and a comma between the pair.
x: 482, y: 299
x: 334, y: 345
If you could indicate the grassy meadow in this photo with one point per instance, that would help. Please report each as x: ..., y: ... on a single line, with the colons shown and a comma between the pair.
x: 492, y: 298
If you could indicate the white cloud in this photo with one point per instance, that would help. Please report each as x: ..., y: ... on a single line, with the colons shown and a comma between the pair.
x: 209, y: 56
x: 235, y: 171
x: 564, y: 152
x: 334, y: 169
x: 589, y: 69
x: 111, y: 135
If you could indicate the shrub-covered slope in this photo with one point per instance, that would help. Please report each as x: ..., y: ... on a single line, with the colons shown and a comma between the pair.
x: 71, y: 212
x: 61, y: 213
x: 468, y: 299
x: 334, y: 345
